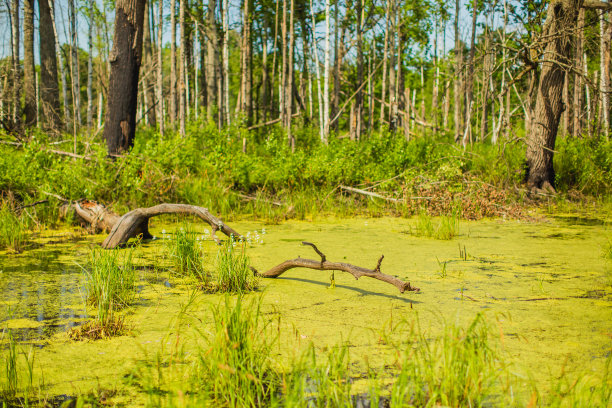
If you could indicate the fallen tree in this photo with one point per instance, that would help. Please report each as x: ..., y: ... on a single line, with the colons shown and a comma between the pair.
x: 136, y: 224
x: 325, y: 265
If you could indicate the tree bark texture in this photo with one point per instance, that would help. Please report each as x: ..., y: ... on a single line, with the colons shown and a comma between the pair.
x: 125, y: 59
x: 49, y: 90
x: 29, y: 77
x: 558, y: 29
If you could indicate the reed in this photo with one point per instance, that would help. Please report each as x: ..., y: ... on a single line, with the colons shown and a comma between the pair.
x: 12, y: 229
x: 186, y: 254
x: 233, y: 272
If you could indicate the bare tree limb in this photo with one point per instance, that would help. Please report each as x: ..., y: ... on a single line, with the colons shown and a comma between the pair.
x: 324, y: 265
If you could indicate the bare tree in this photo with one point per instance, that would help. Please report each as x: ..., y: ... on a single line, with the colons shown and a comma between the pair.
x: 29, y: 76
x: 49, y: 91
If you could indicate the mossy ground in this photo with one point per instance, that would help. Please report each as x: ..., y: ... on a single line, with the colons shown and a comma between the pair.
x: 544, y: 284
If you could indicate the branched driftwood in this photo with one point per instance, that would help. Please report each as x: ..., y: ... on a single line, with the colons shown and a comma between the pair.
x: 136, y: 222
x: 325, y: 265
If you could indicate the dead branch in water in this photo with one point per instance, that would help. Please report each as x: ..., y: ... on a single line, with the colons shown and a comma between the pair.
x: 136, y: 222
x: 325, y: 265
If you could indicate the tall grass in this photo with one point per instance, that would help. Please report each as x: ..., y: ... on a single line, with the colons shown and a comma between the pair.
x: 446, y: 228
x: 187, y: 255
x: 111, y: 286
x: 459, y: 369
x: 15, y: 377
x: 233, y: 272
x: 12, y: 229
x: 235, y: 368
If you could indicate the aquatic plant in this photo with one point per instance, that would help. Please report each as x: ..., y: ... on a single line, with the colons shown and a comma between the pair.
x: 186, y: 254
x: 111, y: 286
x: 607, y: 249
x: 459, y: 369
x: 235, y: 367
x: 446, y: 229
x: 12, y: 229
x: 15, y: 377
x: 233, y: 272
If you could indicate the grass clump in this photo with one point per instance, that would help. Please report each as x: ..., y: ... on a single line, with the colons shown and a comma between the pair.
x: 235, y: 369
x: 111, y: 286
x: 15, y: 377
x: 186, y: 254
x: 234, y: 274
x: 458, y: 369
x: 446, y: 229
x: 12, y: 229
x: 607, y: 249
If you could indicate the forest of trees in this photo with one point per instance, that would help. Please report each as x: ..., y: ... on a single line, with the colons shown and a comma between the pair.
x: 480, y: 71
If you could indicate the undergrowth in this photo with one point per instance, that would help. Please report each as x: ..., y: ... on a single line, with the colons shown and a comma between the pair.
x: 111, y: 287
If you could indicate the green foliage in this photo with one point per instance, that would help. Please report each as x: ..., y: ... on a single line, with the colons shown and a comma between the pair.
x: 187, y: 255
x: 111, y: 286
x: 12, y: 228
x: 235, y: 368
x: 446, y: 229
x: 233, y: 272
x: 585, y: 165
x: 15, y: 376
x: 458, y: 369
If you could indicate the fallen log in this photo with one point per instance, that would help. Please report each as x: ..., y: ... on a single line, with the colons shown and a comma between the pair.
x: 325, y: 265
x: 136, y: 223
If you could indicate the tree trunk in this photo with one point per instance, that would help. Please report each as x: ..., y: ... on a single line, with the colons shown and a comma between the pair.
x: 148, y: 83
x: 182, y: 67
x: 125, y: 59
x: 90, y: 66
x: 16, y: 71
x: 326, y: 126
x: 337, y: 61
x: 29, y: 77
x: 212, y: 60
x: 560, y: 22
x: 226, y: 84
x: 359, y: 95
x: 604, y: 82
x: 457, y: 79
x: 384, y: 69
x: 58, y: 52
x: 173, y: 80
x: 49, y: 91
x: 74, y: 67
x: 160, y: 73
x: 470, y: 72
x: 578, y: 64
x: 245, y: 57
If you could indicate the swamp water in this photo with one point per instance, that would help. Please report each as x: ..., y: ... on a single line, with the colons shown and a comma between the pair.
x: 543, y: 286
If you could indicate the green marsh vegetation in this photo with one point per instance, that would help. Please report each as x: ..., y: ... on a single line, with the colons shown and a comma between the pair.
x: 111, y: 287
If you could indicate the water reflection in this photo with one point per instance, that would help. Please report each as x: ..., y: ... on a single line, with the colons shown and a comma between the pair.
x: 40, y: 296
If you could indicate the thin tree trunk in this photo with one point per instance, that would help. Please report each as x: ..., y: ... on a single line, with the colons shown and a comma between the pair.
x: 29, y: 77
x: 173, y: 79
x: 289, y: 80
x: 578, y: 63
x: 16, y: 74
x: 212, y: 60
x: 470, y: 71
x: 90, y: 66
x: 148, y: 81
x: 457, y: 79
x: 606, y: 33
x: 225, y: 18
x: 125, y: 59
x: 245, y: 80
x: 337, y: 61
x: 160, y: 74
x: 384, y: 69
x: 326, y: 124
x: 58, y: 52
x: 74, y: 66
x: 182, y: 72
x: 322, y: 134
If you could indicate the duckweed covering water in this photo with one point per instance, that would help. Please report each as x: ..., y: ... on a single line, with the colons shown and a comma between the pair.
x: 543, y: 287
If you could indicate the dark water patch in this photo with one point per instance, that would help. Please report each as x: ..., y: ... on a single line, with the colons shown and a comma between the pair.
x: 292, y: 239
x: 577, y: 220
x: 595, y: 294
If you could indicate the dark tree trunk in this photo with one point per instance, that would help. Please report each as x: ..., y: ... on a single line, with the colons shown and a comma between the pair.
x: 29, y: 76
x: 125, y: 59
x: 49, y: 90
x: 559, y: 28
